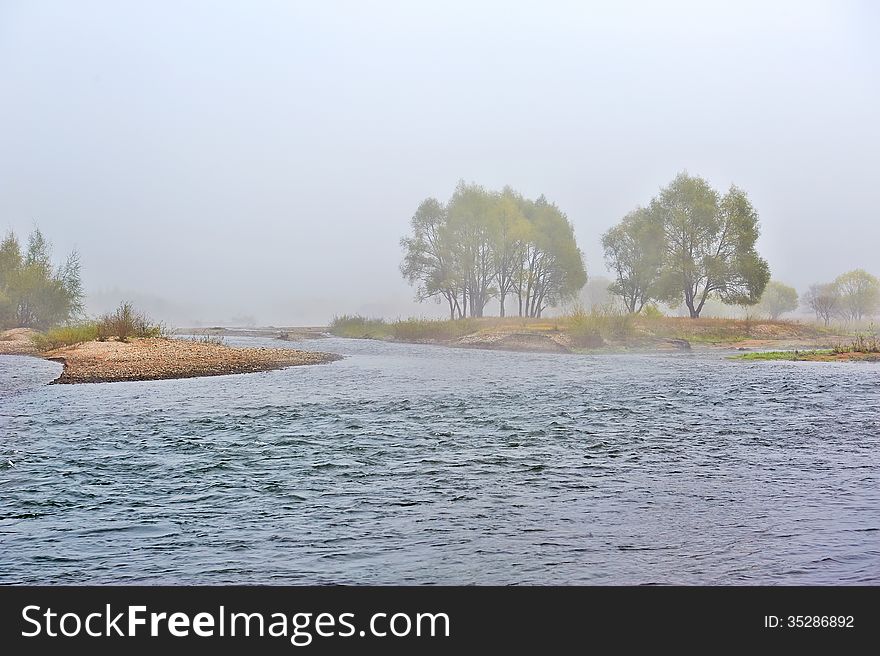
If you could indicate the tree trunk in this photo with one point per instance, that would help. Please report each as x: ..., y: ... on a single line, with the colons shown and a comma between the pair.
x: 501, y: 301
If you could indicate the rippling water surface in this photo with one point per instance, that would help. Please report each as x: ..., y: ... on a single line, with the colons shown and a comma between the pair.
x: 419, y: 464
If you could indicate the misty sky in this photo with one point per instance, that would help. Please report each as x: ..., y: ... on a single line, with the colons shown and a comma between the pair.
x: 264, y: 158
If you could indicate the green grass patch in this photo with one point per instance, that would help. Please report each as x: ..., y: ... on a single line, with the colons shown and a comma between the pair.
x: 784, y: 355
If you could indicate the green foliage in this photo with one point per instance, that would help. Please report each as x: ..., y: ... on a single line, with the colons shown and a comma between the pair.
x: 126, y: 322
x: 777, y: 299
x: 710, y: 244
x: 634, y: 251
x: 482, y: 245
x: 358, y: 327
x: 66, y: 335
x: 859, y: 294
x: 690, y: 244
x: 33, y: 293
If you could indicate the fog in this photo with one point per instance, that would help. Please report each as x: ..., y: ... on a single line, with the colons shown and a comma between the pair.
x: 261, y: 160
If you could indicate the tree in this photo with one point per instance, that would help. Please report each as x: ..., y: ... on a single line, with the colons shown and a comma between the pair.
x: 509, y: 234
x: 634, y: 251
x: 428, y: 258
x: 777, y: 299
x: 470, y: 238
x: 710, y: 245
x: 552, y: 269
x: 33, y: 293
x: 859, y: 293
x: 824, y: 300
x: 482, y: 245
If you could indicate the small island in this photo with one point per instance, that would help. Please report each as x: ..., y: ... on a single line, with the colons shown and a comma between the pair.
x: 124, y: 347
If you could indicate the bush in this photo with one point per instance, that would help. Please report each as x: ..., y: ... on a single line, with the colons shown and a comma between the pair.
x: 126, y: 322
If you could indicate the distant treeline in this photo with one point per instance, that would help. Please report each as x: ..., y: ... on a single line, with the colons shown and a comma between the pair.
x: 852, y: 296
x: 688, y: 246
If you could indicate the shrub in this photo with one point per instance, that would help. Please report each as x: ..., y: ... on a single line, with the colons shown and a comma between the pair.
x: 126, y: 322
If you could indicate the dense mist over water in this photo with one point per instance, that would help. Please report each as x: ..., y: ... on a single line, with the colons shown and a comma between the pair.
x: 223, y: 162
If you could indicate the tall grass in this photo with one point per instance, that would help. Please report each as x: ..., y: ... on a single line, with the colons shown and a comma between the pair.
x: 66, y: 336
x: 358, y: 327
x: 405, y: 330
x: 591, y: 329
x: 861, y: 343
x: 419, y: 330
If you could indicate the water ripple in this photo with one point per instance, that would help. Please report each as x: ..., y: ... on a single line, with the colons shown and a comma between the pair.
x: 418, y: 464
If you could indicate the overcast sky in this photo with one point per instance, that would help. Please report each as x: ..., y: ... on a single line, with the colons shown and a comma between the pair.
x: 264, y: 158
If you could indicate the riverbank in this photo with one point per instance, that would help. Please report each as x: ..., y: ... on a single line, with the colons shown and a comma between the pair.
x: 593, y: 333
x: 160, y: 359
x: 822, y: 355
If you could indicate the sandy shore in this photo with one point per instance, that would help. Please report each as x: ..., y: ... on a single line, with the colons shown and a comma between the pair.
x: 158, y: 359
x: 17, y: 342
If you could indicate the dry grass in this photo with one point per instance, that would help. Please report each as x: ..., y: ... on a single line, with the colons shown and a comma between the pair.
x: 711, y: 330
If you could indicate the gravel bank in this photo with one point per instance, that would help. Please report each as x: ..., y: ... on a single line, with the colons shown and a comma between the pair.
x: 159, y: 359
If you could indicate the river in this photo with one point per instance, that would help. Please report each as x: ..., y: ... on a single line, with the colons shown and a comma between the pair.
x: 422, y: 464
